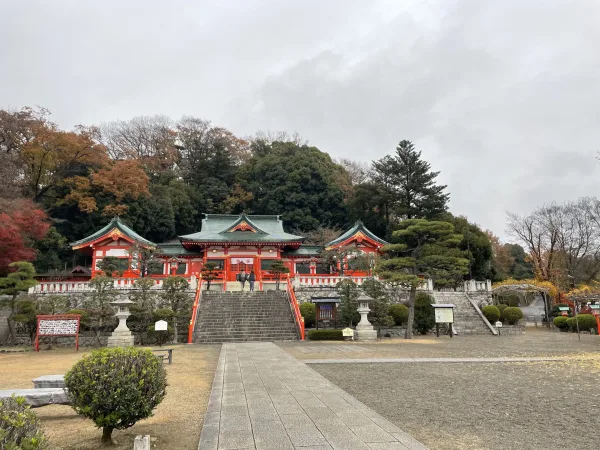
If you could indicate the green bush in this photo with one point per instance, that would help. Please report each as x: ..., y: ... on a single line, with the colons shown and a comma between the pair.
x: 325, y: 335
x: 491, y: 313
x: 309, y: 312
x: 159, y: 338
x: 116, y: 387
x: 560, y: 322
x: 501, y: 307
x: 19, y: 426
x: 586, y: 322
x: 424, y: 313
x: 512, y: 314
x: 399, y: 313
x: 84, y: 320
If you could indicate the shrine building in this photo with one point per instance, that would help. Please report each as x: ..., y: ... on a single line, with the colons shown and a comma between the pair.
x: 234, y: 243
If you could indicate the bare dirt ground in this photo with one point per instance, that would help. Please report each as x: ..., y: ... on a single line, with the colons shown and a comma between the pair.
x: 534, y: 405
x: 177, y: 421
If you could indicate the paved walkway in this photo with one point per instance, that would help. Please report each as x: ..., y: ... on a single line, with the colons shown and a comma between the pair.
x: 264, y: 398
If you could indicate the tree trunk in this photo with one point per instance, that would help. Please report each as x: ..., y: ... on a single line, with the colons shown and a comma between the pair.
x: 107, y: 436
x: 175, y: 331
x: 12, y: 331
x: 11, y: 323
x: 411, y: 312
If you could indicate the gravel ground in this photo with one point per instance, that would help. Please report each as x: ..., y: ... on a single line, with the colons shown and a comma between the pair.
x: 539, y: 405
x: 538, y: 342
x: 177, y: 421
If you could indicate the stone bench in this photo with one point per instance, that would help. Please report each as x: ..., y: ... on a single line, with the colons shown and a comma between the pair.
x: 49, y: 381
x: 39, y: 397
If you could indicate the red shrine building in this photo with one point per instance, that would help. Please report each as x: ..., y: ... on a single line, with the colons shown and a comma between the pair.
x: 234, y: 243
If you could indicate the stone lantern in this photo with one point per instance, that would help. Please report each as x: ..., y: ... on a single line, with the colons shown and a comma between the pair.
x: 122, y: 336
x: 364, y: 329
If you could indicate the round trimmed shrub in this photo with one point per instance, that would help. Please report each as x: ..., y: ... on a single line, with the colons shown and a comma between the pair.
x: 560, y: 322
x: 586, y: 322
x: 512, y: 314
x: 116, y: 387
x: 19, y: 426
x: 491, y: 313
x: 308, y: 310
x: 571, y: 324
x: 501, y: 307
x: 399, y: 313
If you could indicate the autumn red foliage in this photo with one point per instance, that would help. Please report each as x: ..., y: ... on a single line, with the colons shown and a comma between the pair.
x: 21, y: 223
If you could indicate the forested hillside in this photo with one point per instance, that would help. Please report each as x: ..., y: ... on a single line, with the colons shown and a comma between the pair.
x: 160, y: 175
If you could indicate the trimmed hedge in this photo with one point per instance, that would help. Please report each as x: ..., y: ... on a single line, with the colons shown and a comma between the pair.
x: 326, y: 335
x: 512, y: 314
x: 399, y: 313
x: 560, y: 322
x: 491, y: 313
x: 308, y: 310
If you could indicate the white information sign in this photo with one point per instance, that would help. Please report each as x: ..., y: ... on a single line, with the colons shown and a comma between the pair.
x: 160, y: 325
x: 444, y: 315
x: 348, y: 332
x: 58, y: 327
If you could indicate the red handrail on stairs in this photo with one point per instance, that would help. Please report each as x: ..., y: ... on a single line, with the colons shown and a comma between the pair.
x: 197, y: 298
x: 295, y: 308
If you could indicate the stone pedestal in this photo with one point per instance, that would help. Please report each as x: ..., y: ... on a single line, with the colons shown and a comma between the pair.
x: 364, y: 329
x: 120, y: 339
x: 122, y: 336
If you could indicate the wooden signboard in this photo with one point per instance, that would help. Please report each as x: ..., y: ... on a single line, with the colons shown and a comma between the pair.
x: 57, y: 325
x: 444, y: 315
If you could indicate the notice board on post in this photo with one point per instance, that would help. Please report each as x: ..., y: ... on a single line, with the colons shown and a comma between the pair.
x: 57, y: 325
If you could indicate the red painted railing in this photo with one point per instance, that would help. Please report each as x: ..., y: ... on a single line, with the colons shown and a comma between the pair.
x: 197, y: 298
x: 295, y: 308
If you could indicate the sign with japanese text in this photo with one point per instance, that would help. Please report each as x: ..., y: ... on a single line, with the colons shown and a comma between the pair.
x: 57, y: 325
x: 444, y: 315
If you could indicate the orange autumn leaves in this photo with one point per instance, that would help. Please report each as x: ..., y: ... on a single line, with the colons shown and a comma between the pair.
x: 75, y: 160
x: 120, y: 179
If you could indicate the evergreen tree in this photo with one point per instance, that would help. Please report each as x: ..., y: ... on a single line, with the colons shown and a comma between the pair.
x: 422, y: 247
x: 349, y: 293
x: 174, y: 295
x: 406, y: 186
x: 17, y: 281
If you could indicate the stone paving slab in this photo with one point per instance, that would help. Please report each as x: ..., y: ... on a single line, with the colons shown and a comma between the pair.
x: 264, y: 398
x: 426, y: 360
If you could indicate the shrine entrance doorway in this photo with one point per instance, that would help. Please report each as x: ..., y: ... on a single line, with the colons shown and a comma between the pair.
x: 238, y: 265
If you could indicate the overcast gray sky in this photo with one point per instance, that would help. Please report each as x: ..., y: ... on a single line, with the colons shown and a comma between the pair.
x: 502, y: 97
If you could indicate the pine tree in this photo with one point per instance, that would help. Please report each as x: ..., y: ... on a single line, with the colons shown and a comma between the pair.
x: 418, y: 195
x: 422, y: 247
x: 407, y: 187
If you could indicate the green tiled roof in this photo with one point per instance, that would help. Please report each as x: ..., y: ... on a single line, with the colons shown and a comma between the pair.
x: 115, y: 223
x: 215, y: 228
x: 304, y: 250
x: 358, y: 227
x: 174, y: 248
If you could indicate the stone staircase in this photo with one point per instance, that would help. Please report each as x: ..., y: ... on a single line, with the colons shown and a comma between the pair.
x: 244, y: 316
x: 466, y: 318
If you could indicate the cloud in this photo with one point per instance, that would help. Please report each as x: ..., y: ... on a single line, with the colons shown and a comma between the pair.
x: 501, y: 97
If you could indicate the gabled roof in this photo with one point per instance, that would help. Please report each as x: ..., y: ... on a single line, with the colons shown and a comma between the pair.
x: 304, y: 250
x: 114, y: 228
x: 241, y: 228
x: 174, y: 248
x: 358, y: 231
